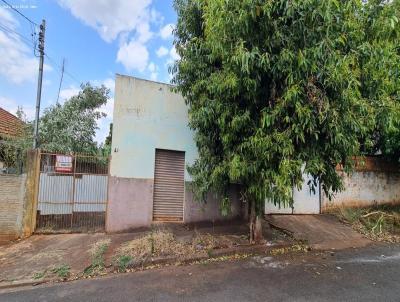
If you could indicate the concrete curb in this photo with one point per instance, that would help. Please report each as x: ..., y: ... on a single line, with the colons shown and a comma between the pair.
x: 238, y: 250
x: 21, y: 283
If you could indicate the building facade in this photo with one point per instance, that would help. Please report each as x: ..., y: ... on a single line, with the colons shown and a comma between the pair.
x: 152, y: 146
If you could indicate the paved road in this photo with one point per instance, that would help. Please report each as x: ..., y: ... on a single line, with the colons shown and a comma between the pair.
x: 368, y: 274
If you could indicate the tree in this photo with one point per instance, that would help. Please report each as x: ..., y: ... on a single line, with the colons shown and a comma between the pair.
x: 275, y: 90
x: 13, y: 148
x: 105, y: 149
x: 380, y: 79
x: 71, y: 127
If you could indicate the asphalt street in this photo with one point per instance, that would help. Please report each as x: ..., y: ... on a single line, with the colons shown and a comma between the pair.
x: 367, y: 274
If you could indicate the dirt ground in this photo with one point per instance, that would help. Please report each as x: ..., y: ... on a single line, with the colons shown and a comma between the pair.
x: 35, y: 257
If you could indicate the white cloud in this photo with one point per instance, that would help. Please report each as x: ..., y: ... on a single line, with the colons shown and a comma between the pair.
x: 67, y: 93
x: 166, y: 31
x: 161, y: 52
x: 153, y: 71
x: 11, y: 106
x: 110, y: 18
x: 110, y: 84
x: 133, y: 55
x: 143, y: 32
x: 173, y: 54
x: 104, y: 128
x: 17, y: 62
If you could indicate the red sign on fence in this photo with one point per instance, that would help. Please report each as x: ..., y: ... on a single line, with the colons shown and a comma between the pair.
x: 63, y: 163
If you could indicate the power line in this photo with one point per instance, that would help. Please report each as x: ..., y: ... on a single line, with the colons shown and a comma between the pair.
x: 61, y: 79
x: 61, y: 68
x: 18, y: 12
x: 12, y: 31
x: 33, y: 41
x: 26, y: 40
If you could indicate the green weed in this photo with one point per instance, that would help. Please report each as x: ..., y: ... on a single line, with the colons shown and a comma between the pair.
x: 123, y: 262
x: 62, y: 271
x: 97, y: 252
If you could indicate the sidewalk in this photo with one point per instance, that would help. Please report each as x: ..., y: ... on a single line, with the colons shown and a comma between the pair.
x: 323, y: 232
x: 71, y: 256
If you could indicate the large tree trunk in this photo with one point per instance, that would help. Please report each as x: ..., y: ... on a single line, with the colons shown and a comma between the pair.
x: 256, y: 233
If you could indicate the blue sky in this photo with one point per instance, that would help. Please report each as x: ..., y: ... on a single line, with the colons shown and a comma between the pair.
x: 97, y: 39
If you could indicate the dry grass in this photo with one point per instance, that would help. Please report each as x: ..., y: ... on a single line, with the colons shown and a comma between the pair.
x: 97, y: 251
x: 99, y: 245
x: 379, y: 223
x: 162, y: 243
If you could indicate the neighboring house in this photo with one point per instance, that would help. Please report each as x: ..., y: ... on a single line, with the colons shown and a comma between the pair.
x: 10, y: 126
x: 151, y: 148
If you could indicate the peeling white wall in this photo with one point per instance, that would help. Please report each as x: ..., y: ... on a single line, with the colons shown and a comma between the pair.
x: 147, y: 115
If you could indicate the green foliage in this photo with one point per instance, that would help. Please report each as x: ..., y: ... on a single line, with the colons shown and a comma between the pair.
x: 123, y: 262
x: 379, y: 222
x: 62, y: 271
x: 39, y: 275
x: 109, y: 136
x: 13, y: 148
x: 98, y: 262
x: 71, y: 127
x: 379, y: 57
x: 278, y: 88
x: 105, y: 149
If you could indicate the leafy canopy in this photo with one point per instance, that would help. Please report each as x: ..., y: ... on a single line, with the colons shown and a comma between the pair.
x: 380, y: 78
x: 278, y: 88
x: 71, y: 127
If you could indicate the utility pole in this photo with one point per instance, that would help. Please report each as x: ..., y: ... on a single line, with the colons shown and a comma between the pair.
x: 62, y: 75
x: 39, y: 87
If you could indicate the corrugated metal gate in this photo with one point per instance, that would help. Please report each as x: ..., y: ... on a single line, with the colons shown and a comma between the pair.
x: 169, y: 187
x: 72, y: 193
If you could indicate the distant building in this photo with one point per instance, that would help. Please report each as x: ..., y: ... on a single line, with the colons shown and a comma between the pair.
x: 10, y: 125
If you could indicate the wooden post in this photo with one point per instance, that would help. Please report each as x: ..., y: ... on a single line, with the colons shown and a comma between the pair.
x: 31, y: 192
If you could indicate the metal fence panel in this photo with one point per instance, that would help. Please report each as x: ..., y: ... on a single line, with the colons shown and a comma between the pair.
x: 72, y: 193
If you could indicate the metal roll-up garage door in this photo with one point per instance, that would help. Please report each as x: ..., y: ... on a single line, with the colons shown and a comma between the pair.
x: 169, y: 185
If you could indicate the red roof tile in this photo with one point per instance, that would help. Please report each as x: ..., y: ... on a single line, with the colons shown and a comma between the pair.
x: 10, y: 125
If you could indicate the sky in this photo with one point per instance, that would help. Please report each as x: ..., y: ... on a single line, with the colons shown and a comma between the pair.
x: 97, y: 39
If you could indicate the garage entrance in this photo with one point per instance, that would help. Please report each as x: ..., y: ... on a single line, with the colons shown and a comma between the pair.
x: 169, y: 186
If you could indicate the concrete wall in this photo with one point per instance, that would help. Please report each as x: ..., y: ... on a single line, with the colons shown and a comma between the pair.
x: 304, y: 201
x: 12, y: 190
x: 366, y: 188
x: 374, y: 181
x: 147, y: 116
x: 195, y: 211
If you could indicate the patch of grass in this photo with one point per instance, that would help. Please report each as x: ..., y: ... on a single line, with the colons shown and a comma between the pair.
x: 379, y: 223
x: 62, y: 271
x: 123, y: 262
x: 39, y: 275
x: 97, y: 252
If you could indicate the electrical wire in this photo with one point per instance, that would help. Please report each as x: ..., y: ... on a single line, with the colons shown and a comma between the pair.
x: 60, y: 68
x: 11, y: 31
x: 33, y: 42
x: 18, y: 12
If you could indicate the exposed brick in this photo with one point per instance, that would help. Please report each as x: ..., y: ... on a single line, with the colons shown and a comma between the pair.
x: 12, y: 189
